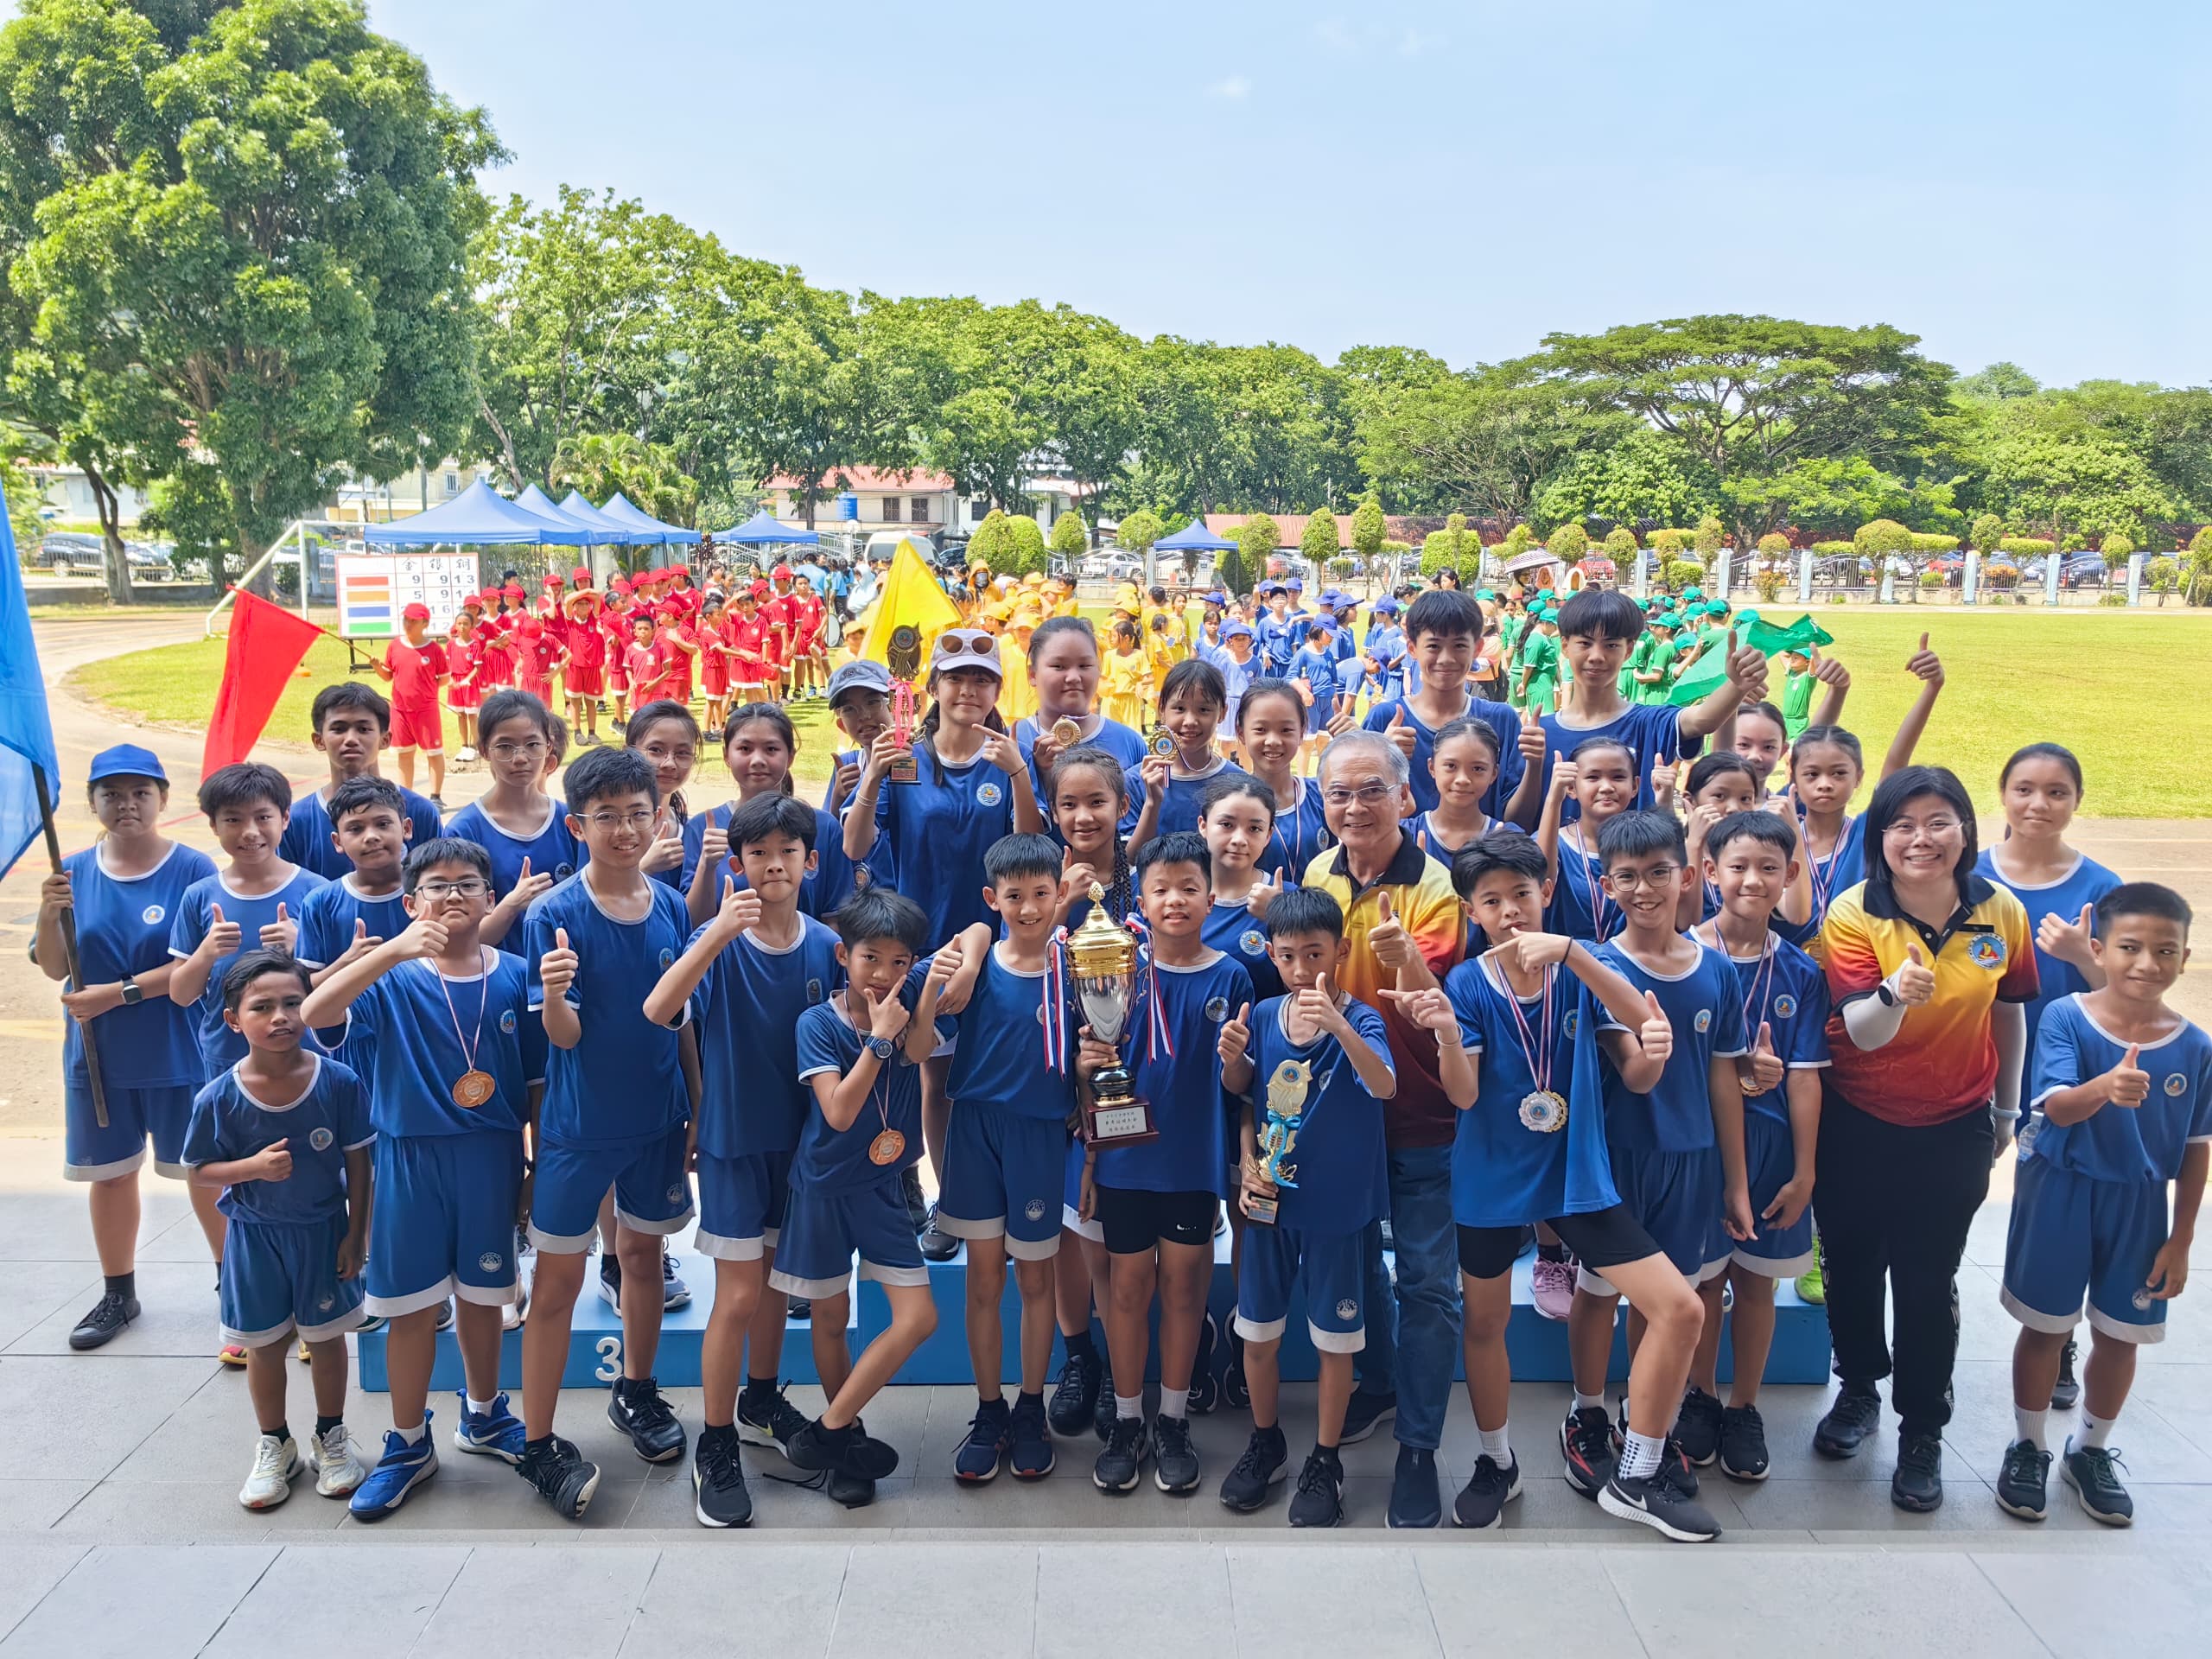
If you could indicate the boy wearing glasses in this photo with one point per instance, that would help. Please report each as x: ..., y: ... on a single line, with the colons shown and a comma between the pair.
x: 439, y: 1024
x: 521, y: 829
x: 616, y: 1112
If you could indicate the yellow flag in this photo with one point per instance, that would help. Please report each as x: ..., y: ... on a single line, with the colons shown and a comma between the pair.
x: 911, y: 597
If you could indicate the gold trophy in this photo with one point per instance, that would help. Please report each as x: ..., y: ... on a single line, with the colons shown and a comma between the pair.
x: 1287, y: 1091
x: 902, y: 654
x: 1102, y: 958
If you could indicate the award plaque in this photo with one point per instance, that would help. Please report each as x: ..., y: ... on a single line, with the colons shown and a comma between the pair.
x: 1102, y: 961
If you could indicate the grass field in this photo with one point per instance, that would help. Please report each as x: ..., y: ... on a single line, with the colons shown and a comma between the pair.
x: 2130, y: 694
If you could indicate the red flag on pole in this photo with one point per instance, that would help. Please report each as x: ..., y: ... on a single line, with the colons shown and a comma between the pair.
x: 267, y: 643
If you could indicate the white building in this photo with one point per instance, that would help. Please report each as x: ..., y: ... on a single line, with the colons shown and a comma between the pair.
x: 920, y: 503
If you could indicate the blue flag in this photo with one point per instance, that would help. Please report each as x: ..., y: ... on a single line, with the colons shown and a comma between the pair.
x: 26, y: 728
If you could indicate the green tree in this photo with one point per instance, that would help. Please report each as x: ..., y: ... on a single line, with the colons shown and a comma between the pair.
x: 1318, y: 543
x: 1518, y: 540
x: 2164, y: 575
x: 1369, y: 529
x: 1568, y: 542
x: 1028, y: 538
x: 996, y: 544
x: 1139, y: 530
x: 1256, y: 539
x: 1069, y: 537
x: 240, y: 246
x: 1452, y: 548
x: 2116, y: 550
x: 1643, y: 478
x: 1493, y: 437
x: 1988, y: 531
x: 1708, y: 543
x: 1620, y: 547
x: 2199, y: 586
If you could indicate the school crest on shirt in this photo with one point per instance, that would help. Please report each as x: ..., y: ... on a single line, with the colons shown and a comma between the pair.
x: 1784, y: 1006
x: 1986, y: 950
x: 1217, y: 1009
x: 321, y: 1140
x: 489, y: 1261
x: 507, y: 1021
x: 1252, y: 942
x: 1347, y: 1309
x: 813, y: 990
x: 1034, y: 1210
x: 1567, y: 1025
x: 151, y: 914
x: 988, y: 794
x: 1704, y: 1021
x: 667, y: 956
x: 2175, y: 1084
x: 563, y: 871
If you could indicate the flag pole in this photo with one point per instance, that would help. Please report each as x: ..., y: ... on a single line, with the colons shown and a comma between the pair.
x: 69, y: 948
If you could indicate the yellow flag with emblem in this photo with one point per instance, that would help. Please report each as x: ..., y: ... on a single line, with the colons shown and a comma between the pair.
x: 911, y: 598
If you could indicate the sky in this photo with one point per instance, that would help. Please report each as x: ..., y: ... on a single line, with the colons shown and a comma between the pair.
x: 2022, y: 181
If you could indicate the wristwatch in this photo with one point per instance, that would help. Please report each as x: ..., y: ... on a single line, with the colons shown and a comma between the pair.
x: 132, y: 994
x: 1885, y: 995
x: 883, y: 1048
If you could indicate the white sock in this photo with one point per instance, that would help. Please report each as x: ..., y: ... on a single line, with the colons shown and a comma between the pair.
x: 1640, y: 1455
x: 1495, y: 1446
x: 2030, y: 1426
x: 476, y: 1407
x: 1174, y: 1403
x: 412, y: 1436
x: 2096, y: 1431
x: 1128, y: 1404
x: 1588, y: 1401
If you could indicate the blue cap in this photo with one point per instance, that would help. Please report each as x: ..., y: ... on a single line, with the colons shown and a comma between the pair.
x: 1216, y: 597
x: 126, y: 761
x: 1296, y: 584
x: 1386, y: 607
x: 1235, y: 629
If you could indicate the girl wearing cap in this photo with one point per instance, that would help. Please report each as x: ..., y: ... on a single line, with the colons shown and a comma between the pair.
x: 583, y: 678
x: 464, y: 690
x: 614, y: 628
x: 124, y: 891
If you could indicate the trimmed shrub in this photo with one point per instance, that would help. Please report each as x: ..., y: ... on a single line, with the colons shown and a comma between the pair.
x: 2116, y: 549
x: 1569, y: 543
x: 1620, y: 546
x: 1069, y: 537
x: 1988, y: 533
x: 1318, y: 544
x: 1139, y: 531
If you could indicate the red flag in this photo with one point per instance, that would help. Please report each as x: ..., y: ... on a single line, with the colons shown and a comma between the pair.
x: 267, y: 643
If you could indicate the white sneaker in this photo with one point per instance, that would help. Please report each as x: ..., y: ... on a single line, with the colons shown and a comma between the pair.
x: 513, y: 1315
x: 464, y: 756
x: 274, y: 1463
x: 338, y: 1472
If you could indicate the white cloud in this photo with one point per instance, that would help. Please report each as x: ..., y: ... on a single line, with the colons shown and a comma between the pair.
x: 1231, y: 86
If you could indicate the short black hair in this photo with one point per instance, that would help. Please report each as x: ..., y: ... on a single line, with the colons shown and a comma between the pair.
x: 1268, y: 685
x: 652, y: 714
x: 1601, y: 613
x: 349, y: 694
x: 2142, y: 899
x: 1897, y: 790
x: 1706, y: 767
x: 443, y: 849
x: 1012, y: 857
x: 508, y: 703
x: 1305, y: 910
x: 1184, y: 847
x: 1639, y: 835
x: 773, y: 814
x: 1229, y: 786
x: 252, y: 965
x: 243, y: 782
x: 1500, y: 849
x: 879, y: 914
x: 359, y: 794
x: 601, y: 774
x: 1444, y: 610
x: 1194, y: 675
x: 1770, y: 828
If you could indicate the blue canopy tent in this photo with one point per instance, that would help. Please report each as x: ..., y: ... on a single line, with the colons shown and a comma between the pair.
x: 764, y: 530
x: 606, y: 531
x: 534, y: 499
x: 1193, y: 538
x: 479, y: 516
x: 644, y: 526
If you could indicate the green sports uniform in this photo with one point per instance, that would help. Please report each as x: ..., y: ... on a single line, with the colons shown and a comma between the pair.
x: 1796, y: 703
x: 1540, y: 656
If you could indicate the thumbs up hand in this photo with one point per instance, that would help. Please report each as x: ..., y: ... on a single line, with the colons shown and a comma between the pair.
x: 1263, y: 894
x: 224, y: 938
x: 556, y: 969
x: 1914, y: 982
x: 1392, y: 945
x: 740, y: 909
x: 2130, y: 1084
x: 360, y: 945
x: 1923, y: 664
x: 425, y: 937
x: 1762, y: 1068
x: 282, y: 934
x: 1399, y: 732
x: 2068, y: 940
x: 1236, y: 1036
x: 1532, y: 741
x: 1656, y: 1033
x: 666, y: 851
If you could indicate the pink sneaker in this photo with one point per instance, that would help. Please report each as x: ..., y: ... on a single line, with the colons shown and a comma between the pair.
x: 1553, y: 1283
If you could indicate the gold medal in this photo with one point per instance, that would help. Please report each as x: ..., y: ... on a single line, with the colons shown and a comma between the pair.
x: 1162, y: 743
x: 886, y: 1147
x: 1543, y: 1110
x: 1066, y: 731
x: 473, y: 1089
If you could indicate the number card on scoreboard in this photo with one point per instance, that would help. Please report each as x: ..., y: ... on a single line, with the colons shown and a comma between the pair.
x: 373, y: 589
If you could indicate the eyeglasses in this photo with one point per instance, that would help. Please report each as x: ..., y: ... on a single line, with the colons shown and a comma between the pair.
x: 529, y: 751
x: 1366, y: 795
x: 639, y: 820
x: 1905, y: 829
x: 1658, y: 878
x: 472, y: 886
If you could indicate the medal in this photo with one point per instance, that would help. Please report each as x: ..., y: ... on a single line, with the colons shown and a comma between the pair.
x: 1067, y: 732
x: 474, y: 1086
x: 1593, y: 888
x: 886, y: 1147
x: 473, y: 1089
x: 1162, y: 743
x: 1543, y: 1109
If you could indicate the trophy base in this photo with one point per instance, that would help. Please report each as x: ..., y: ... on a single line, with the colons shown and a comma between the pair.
x: 1118, y: 1124
x: 903, y: 770
x: 1261, y: 1211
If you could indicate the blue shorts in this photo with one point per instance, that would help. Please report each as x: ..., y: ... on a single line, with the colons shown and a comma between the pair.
x: 444, y: 1220
x: 279, y: 1277
x: 2072, y: 1237
x: 134, y: 1117
x: 1771, y: 1163
x: 1675, y: 1198
x: 1319, y: 712
x: 1001, y: 1172
x: 653, y: 1190
x: 822, y: 1231
x: 1329, y: 1267
x: 741, y: 1203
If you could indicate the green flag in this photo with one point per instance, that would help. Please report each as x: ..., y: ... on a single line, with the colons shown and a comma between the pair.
x: 1706, y: 676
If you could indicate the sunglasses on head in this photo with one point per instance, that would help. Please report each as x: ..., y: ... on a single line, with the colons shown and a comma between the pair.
x: 953, y: 645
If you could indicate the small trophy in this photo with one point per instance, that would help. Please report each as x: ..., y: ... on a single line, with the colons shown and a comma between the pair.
x: 1102, y: 957
x: 1287, y: 1091
x: 903, y: 657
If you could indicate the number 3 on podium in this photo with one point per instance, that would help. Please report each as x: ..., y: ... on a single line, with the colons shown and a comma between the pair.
x: 610, y: 1360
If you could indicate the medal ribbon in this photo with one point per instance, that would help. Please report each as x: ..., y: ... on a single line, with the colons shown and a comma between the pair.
x: 1057, y: 1036
x: 1823, y: 870
x: 1158, y: 1038
x: 1539, y: 1071
x: 468, y: 1050
x: 1594, y: 890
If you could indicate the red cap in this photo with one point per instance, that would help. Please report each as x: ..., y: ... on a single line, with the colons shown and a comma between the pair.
x: 580, y: 576
x: 620, y: 585
x: 529, y: 627
x: 759, y: 589
x: 782, y: 573
x: 513, y: 590
x: 670, y: 609
x: 473, y: 602
x: 415, y: 613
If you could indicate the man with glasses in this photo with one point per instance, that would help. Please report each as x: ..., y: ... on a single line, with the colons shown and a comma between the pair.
x: 1406, y: 931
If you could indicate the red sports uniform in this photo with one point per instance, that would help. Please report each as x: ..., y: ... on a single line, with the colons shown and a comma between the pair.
x: 810, y: 615
x: 753, y: 643
x: 533, y: 664
x: 649, y: 670
x: 586, y: 673
x: 464, y: 659
x: 415, y: 669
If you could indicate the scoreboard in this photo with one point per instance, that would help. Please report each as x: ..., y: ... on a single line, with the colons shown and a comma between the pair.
x: 373, y: 589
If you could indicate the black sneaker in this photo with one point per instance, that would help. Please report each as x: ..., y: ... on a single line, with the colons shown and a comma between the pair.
x: 563, y: 1475
x: 850, y: 1451
x: 1686, y: 1481
x: 1265, y: 1461
x: 1917, y: 1485
x: 1319, y: 1499
x: 1743, y: 1444
x: 1236, y: 1388
x: 983, y: 1453
x: 1416, y: 1499
x: 2067, y: 1391
x: 1697, y: 1428
x: 1363, y: 1412
x: 851, y: 1491
x: 1205, y: 1387
x: 640, y: 1411
x: 2024, y: 1484
x: 918, y: 1207
x: 1856, y: 1413
x: 1075, y: 1396
x: 1482, y: 1501
x: 101, y: 1326
x: 1121, y: 1462
x: 2094, y: 1473
x: 1032, y: 1456
x: 799, y: 1310
x: 937, y: 1245
x: 1658, y: 1502
x: 769, y: 1423
x: 1585, y: 1440
x: 718, y: 1494
x: 1174, y: 1460
x: 1103, y: 1411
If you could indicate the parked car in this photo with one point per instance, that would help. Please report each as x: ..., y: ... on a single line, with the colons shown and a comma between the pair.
x: 75, y: 552
x: 2082, y: 569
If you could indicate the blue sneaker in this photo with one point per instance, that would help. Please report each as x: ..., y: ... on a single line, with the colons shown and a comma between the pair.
x: 495, y: 1434
x: 399, y: 1472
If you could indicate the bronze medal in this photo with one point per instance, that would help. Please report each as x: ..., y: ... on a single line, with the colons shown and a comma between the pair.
x: 473, y: 1089
x: 886, y: 1147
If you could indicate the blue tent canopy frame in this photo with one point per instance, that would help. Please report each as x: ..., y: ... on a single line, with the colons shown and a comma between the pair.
x: 763, y: 529
x: 477, y: 517
x: 1193, y: 536
x: 646, y: 528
